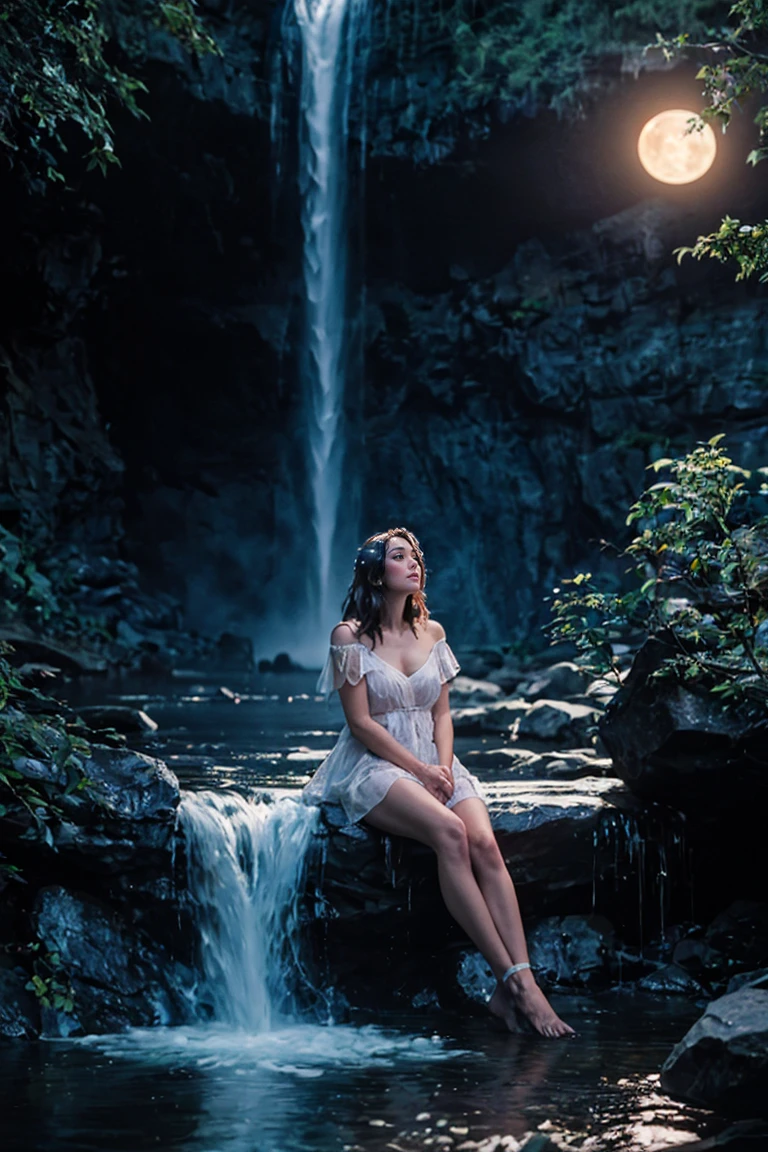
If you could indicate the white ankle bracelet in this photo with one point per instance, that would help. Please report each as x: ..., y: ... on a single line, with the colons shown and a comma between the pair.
x: 514, y: 968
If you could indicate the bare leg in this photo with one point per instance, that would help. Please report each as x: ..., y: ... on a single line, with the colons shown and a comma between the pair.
x: 521, y: 992
x: 409, y: 810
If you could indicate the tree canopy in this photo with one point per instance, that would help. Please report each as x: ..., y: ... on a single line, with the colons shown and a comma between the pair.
x: 550, y: 51
x: 734, y: 69
x: 58, y: 69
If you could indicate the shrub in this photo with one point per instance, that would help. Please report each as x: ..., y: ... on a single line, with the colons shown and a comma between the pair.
x: 698, y: 568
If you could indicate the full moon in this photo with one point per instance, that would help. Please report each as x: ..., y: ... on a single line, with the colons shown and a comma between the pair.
x: 672, y: 154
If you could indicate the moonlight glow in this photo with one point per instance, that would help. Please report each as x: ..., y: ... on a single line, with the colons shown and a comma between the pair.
x: 672, y: 154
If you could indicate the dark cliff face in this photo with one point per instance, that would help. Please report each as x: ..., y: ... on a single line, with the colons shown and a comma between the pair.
x: 530, y: 343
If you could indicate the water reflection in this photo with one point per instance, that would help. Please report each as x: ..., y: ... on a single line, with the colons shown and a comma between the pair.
x: 275, y: 735
x: 314, y: 1089
x: 320, y: 1088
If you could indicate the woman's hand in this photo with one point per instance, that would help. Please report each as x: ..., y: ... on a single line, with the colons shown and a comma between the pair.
x: 438, y: 780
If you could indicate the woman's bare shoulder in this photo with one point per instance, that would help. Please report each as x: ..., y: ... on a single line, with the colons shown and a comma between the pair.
x: 345, y: 633
x: 435, y: 631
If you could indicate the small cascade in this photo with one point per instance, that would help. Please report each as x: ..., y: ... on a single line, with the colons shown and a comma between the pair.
x: 245, y: 864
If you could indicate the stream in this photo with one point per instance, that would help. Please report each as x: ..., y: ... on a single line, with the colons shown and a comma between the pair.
x: 262, y: 1082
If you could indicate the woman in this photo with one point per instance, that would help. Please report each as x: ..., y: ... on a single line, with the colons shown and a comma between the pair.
x: 393, y: 765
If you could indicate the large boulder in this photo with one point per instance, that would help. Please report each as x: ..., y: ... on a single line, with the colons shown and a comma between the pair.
x: 559, y: 682
x: 550, y: 833
x: 19, y: 1011
x: 559, y: 722
x: 736, y: 941
x: 576, y: 951
x: 378, y: 897
x: 685, y: 747
x: 119, y: 976
x: 722, y: 1062
x: 122, y: 821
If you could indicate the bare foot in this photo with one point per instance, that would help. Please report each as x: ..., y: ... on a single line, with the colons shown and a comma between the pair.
x: 521, y: 997
x: 502, y: 1006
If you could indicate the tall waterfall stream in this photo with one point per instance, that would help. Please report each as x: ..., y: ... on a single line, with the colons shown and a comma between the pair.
x: 330, y: 32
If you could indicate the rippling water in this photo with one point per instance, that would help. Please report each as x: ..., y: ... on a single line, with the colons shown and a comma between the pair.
x: 271, y: 732
x: 395, y: 1082
x: 403, y: 1082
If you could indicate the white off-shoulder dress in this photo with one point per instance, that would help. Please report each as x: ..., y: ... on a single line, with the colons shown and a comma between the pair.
x: 351, y: 775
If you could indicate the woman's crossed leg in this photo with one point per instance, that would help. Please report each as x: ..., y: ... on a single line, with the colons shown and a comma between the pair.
x: 477, y: 889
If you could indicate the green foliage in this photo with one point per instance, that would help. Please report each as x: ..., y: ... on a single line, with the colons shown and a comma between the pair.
x: 56, y: 70
x: 42, y: 600
x: 699, y: 564
x: 22, y: 582
x: 47, y: 978
x: 49, y: 982
x: 735, y: 68
x: 61, y: 752
x: 544, y: 50
x: 746, y: 244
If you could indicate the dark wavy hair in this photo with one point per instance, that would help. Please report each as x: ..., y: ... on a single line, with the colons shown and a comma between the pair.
x: 364, y: 601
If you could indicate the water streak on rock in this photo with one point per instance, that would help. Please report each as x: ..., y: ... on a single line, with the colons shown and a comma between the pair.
x: 652, y: 853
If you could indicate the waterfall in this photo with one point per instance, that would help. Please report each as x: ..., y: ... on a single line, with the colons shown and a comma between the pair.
x: 332, y: 49
x: 245, y: 864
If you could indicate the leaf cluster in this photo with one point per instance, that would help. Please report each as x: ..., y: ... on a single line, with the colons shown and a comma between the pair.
x: 543, y: 51
x: 744, y: 244
x: 735, y: 68
x: 47, y: 977
x: 50, y: 982
x: 35, y: 597
x: 698, y: 572
x: 22, y: 584
x: 48, y: 740
x: 57, y: 71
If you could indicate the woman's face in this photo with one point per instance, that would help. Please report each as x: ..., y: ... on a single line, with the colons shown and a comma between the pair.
x: 402, y: 568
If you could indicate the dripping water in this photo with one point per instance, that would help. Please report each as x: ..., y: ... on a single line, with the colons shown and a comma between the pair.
x: 649, y: 854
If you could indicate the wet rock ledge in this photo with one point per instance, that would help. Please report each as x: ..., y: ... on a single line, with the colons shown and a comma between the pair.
x: 89, y: 938
x: 100, y: 937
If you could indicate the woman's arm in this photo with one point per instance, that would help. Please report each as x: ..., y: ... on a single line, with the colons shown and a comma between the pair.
x: 354, y: 701
x: 376, y: 738
x: 441, y: 714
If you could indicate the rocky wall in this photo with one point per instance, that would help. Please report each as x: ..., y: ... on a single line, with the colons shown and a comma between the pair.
x: 530, y: 343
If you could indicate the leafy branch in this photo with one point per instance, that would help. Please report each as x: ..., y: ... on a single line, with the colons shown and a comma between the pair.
x: 56, y: 71
x: 48, y: 743
x: 49, y: 982
x: 746, y: 244
x: 699, y: 569
x: 735, y: 69
x: 47, y: 979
